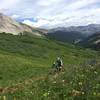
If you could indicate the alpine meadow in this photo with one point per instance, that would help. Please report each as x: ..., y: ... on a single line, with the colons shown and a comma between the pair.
x: 49, y: 50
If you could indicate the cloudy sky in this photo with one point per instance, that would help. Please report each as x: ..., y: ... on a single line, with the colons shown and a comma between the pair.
x: 53, y: 13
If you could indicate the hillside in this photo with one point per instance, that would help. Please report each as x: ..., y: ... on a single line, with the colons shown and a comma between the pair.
x: 92, y: 42
x: 64, y: 36
x: 9, y: 25
x: 26, y: 61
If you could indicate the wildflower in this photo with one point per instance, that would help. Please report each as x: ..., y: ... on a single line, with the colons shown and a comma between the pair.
x: 71, y: 82
x: 75, y: 93
x: 83, y: 93
x: 45, y: 94
x: 92, y: 67
x: 49, y: 91
x: 94, y: 93
x: 54, y: 82
x: 4, y: 97
x: 31, y: 92
x: 63, y: 81
x: 82, y: 75
x: 80, y: 83
x: 95, y: 72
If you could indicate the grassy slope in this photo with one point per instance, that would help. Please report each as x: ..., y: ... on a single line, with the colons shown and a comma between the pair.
x: 24, y: 57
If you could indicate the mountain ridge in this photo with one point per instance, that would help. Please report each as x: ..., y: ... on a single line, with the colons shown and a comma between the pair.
x: 86, y: 29
x: 73, y: 34
x: 9, y: 25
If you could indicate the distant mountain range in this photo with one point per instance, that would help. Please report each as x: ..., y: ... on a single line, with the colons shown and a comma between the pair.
x: 86, y: 30
x: 87, y: 36
x: 73, y: 34
x: 9, y: 25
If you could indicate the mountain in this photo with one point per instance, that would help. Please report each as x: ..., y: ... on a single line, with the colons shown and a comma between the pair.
x: 9, y: 25
x: 86, y: 30
x: 73, y: 34
x: 64, y: 36
x: 92, y: 42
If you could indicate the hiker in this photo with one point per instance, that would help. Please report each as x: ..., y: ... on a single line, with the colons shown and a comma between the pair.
x: 54, y: 67
x: 58, y: 65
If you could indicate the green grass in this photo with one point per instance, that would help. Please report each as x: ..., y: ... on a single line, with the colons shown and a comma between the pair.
x: 81, y: 83
x: 24, y: 59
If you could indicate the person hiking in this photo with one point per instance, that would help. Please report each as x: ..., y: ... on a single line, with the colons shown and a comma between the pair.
x: 58, y: 64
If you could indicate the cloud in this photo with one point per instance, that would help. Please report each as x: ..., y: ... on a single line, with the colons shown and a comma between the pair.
x: 39, y: 23
x: 5, y: 4
x: 53, y: 13
x: 15, y: 16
